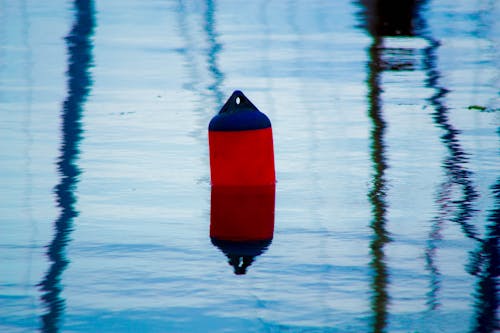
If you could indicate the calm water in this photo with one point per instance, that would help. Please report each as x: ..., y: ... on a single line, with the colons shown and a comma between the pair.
x: 386, y: 148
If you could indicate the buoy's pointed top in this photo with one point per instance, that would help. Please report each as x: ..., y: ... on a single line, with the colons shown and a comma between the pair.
x: 238, y: 114
x: 238, y: 101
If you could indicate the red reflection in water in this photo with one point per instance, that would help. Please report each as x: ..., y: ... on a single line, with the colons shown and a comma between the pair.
x: 242, y: 222
x: 243, y: 213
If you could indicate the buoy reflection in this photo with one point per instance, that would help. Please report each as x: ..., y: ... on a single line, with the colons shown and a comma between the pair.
x: 242, y: 222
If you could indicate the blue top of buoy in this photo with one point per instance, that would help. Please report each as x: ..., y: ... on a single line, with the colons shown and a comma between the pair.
x: 239, y: 114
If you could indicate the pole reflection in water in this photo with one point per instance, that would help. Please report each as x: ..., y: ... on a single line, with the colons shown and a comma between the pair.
x: 377, y: 194
x: 242, y: 222
x: 454, y: 164
x: 457, y: 181
x: 384, y: 19
x: 487, y: 269
x: 79, y: 46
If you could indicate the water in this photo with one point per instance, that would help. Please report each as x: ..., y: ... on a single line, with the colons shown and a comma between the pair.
x: 386, y: 148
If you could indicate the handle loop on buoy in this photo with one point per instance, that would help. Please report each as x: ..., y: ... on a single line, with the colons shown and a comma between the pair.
x: 240, y: 116
x: 237, y: 102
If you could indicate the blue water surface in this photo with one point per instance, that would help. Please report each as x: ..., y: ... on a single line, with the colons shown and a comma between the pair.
x: 385, y: 123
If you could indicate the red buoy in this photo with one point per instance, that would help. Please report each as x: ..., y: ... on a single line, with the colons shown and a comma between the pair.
x: 241, y: 145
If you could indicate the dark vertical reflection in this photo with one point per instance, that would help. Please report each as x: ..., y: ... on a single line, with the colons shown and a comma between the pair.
x: 214, y: 48
x: 377, y: 193
x: 457, y: 175
x: 445, y: 190
x: 79, y: 47
x: 431, y: 249
x: 383, y: 18
x: 487, y: 269
x: 456, y: 194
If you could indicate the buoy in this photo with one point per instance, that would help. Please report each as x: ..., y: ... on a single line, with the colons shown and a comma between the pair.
x: 241, y: 145
x: 242, y: 222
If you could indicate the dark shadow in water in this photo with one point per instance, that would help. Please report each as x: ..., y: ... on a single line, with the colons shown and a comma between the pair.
x: 486, y: 262
x: 383, y: 19
x: 79, y: 46
x: 214, y: 48
x: 242, y: 222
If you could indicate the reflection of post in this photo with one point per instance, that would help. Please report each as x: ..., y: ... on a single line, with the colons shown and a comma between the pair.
x: 487, y: 269
x: 378, y: 193
x: 242, y: 222
x: 485, y: 262
x: 454, y: 164
x: 79, y: 82
x: 383, y: 18
x: 457, y: 176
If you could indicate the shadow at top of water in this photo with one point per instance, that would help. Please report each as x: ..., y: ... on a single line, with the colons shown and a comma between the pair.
x: 386, y: 18
x: 79, y: 47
